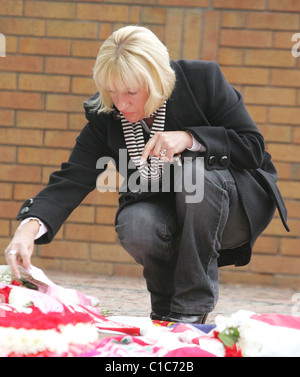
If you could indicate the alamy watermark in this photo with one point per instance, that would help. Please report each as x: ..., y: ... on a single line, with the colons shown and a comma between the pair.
x: 296, y: 46
x: 2, y: 46
x: 187, y: 177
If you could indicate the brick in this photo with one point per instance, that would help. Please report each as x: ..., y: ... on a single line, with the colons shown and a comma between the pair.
x: 46, y: 171
x: 153, y: 15
x: 272, y: 21
x: 192, y: 35
x: 97, y: 198
x: 65, y: 103
x: 283, y: 40
x: 285, y: 281
x: 47, y: 263
x: 266, y: 245
x: 269, y: 58
x: 72, y: 29
x: 270, y: 96
x: 133, y: 270
x: 248, y: 76
x: 9, y: 209
x: 7, y: 117
x: 44, y: 83
x: 272, y: 264
x: 8, y: 154
x: 83, y: 86
x: 284, y: 5
x: 60, y: 139
x: 83, y: 214
x: 8, y: 81
x: 158, y: 30
x: 19, y: 63
x: 285, y: 152
x: 21, y: 137
x: 298, y: 101
x: 185, y: 3
x: 49, y: 9
x: 11, y: 44
x: 11, y: 8
x: 134, y: 14
x: 297, y: 135
x: 24, y: 191
x: 4, y: 241
x: 101, y: 12
x: 237, y: 4
x: 65, y: 250
x: 105, y: 215
x: 110, y: 253
x: 285, y: 77
x: 233, y: 19
x: 86, y: 49
x: 246, y: 38
x: 293, y: 208
x: 77, y: 121
x: 289, y: 189
x: 42, y: 156
x: 258, y: 113
x: 22, y: 26
x: 244, y: 277
x: 284, y: 115
x: 44, y: 46
x: 87, y: 267
x: 43, y: 120
x: 6, y: 190
x: 275, y: 228
x: 230, y: 56
x: 21, y: 100
x: 4, y: 227
x: 284, y: 170
x: 70, y: 66
x: 210, y: 44
x: 174, y: 26
x: 277, y: 133
x: 91, y: 233
x: 105, y: 30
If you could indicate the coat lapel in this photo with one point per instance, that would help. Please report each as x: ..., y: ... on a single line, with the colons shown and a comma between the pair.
x: 182, y: 107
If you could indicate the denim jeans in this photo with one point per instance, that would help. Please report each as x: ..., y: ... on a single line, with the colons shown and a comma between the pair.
x: 177, y: 242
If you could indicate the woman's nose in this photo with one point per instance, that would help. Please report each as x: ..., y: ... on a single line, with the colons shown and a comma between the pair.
x: 122, y: 104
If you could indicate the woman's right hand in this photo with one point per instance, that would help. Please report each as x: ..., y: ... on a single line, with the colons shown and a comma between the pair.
x: 20, y: 249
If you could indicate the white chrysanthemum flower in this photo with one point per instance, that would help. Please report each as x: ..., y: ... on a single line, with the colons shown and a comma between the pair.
x: 19, y: 298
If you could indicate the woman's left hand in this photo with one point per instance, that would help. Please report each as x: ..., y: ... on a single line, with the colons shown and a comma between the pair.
x: 167, y: 144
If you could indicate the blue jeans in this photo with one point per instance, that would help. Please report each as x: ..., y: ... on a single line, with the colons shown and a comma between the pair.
x: 177, y: 242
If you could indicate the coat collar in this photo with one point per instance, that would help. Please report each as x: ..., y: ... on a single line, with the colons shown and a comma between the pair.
x: 183, y: 109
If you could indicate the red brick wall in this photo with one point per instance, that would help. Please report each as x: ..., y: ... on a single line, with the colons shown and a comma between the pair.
x: 50, y: 51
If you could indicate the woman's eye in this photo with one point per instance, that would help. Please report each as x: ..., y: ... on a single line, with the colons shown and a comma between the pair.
x: 132, y: 93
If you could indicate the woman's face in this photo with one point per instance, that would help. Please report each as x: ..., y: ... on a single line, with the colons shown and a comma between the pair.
x: 130, y: 102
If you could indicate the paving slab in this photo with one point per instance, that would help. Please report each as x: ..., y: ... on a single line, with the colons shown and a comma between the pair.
x: 129, y: 297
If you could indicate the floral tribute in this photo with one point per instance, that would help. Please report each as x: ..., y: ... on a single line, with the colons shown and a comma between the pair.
x: 39, y: 318
x: 34, y: 333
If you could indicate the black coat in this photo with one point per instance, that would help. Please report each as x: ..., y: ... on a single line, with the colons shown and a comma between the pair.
x: 202, y: 103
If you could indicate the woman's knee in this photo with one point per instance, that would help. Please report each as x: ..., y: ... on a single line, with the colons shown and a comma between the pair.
x: 145, y: 231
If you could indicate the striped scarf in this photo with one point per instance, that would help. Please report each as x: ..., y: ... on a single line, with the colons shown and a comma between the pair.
x: 135, y: 143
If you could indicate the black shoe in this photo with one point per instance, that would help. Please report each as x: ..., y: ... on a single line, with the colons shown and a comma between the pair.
x: 156, y: 316
x: 185, y: 318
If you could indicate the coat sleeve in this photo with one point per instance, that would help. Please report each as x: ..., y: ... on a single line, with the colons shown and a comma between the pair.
x: 71, y: 184
x: 230, y: 135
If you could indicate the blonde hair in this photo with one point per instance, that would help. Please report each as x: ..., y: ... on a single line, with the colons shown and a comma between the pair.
x: 130, y: 58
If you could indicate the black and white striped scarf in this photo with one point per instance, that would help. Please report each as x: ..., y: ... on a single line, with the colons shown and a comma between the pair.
x: 135, y: 142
